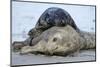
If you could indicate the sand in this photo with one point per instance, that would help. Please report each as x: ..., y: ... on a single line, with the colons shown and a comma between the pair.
x: 84, y: 55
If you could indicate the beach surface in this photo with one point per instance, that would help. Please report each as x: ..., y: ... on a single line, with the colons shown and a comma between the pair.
x: 84, y: 55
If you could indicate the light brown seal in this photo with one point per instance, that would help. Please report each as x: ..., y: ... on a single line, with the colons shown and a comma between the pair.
x: 60, y: 41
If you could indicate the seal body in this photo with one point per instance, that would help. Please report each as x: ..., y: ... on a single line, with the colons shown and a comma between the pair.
x: 59, y: 41
x: 53, y: 16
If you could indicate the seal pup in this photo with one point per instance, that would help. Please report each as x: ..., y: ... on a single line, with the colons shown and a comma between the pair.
x: 60, y: 41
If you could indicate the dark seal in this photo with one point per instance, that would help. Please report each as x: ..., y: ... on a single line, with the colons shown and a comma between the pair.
x: 53, y: 16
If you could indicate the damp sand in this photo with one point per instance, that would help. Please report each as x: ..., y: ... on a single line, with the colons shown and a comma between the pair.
x: 84, y: 55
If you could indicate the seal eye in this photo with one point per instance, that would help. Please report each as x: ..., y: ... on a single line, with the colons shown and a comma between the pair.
x: 54, y: 39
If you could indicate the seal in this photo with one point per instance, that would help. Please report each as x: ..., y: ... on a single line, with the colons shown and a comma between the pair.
x: 60, y: 41
x: 53, y: 16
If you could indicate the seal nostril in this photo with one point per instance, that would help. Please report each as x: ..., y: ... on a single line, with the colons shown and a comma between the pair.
x: 55, y: 39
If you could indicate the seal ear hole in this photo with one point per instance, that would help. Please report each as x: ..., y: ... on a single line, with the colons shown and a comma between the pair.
x: 54, y: 39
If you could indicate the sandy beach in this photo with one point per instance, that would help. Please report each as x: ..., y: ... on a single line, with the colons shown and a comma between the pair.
x: 84, y: 55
